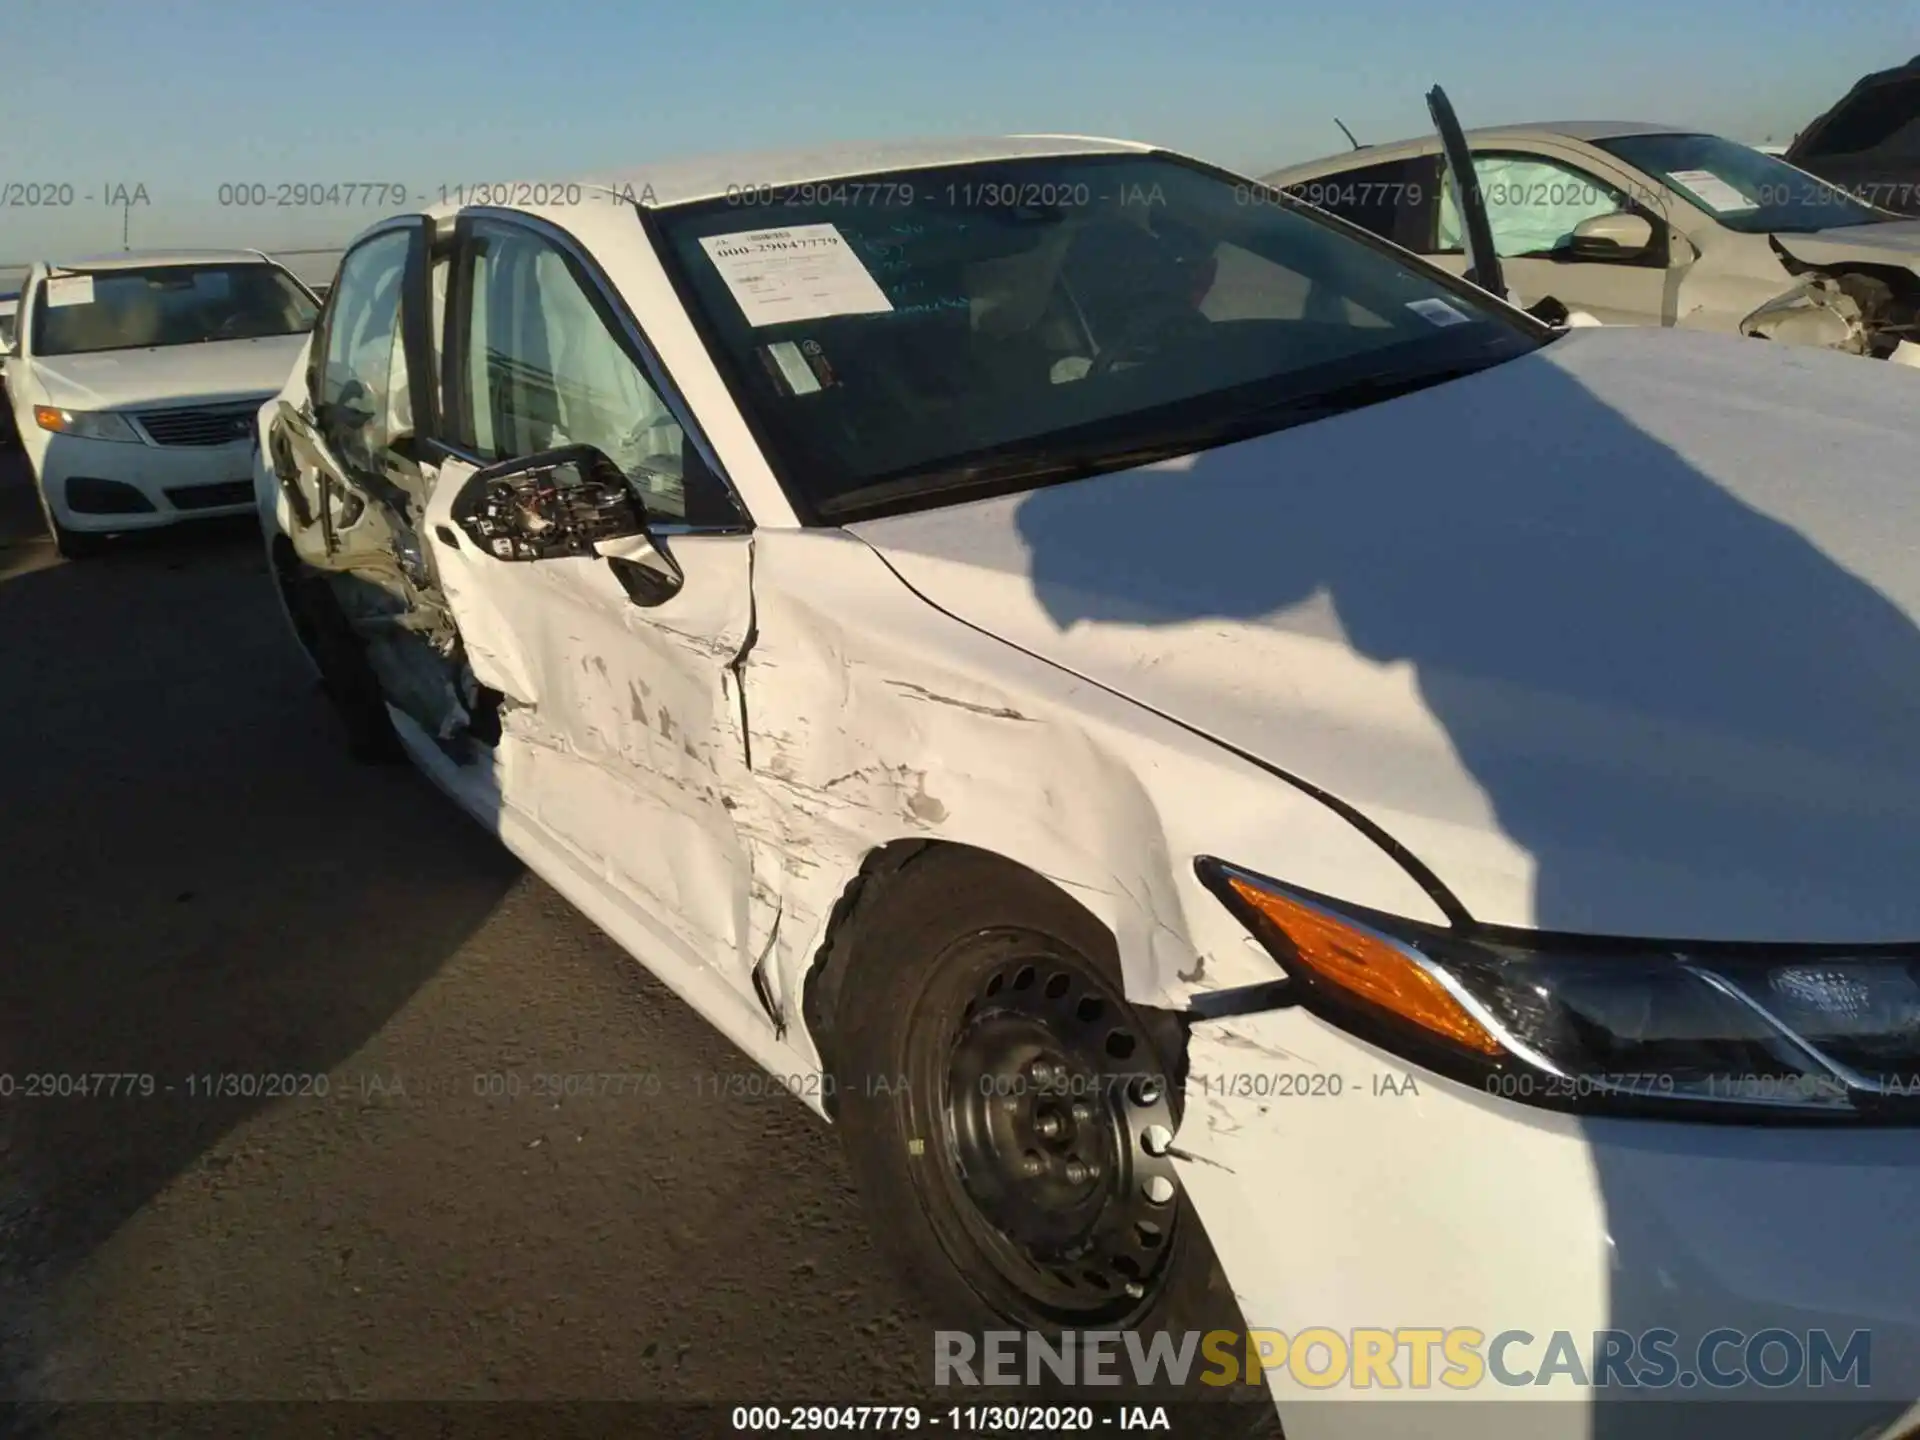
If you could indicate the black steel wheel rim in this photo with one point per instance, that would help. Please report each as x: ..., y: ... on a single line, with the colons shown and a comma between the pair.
x: 1049, y: 1117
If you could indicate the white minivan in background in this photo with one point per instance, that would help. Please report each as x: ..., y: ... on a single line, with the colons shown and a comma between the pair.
x: 133, y: 380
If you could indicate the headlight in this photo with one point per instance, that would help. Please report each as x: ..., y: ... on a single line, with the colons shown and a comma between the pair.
x: 86, y: 424
x: 1704, y: 1030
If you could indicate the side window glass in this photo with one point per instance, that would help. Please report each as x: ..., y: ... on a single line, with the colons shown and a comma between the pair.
x: 542, y: 370
x: 1532, y: 204
x: 1393, y: 200
x: 363, y: 385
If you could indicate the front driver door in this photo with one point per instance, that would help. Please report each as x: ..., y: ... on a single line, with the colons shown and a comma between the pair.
x: 621, y: 728
x: 1533, y: 202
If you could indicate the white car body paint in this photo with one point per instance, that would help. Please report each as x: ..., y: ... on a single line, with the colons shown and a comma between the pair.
x: 1535, y: 685
x: 220, y: 370
x: 908, y: 724
x: 930, y: 676
x: 1525, y: 1220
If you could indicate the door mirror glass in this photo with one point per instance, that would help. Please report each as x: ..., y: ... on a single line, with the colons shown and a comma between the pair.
x: 1610, y: 237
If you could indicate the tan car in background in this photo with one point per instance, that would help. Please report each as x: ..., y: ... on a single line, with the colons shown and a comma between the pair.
x: 1641, y: 224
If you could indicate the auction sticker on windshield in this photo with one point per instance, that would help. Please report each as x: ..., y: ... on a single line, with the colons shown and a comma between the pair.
x: 1439, y: 312
x: 1714, y: 192
x: 70, y: 290
x: 801, y: 272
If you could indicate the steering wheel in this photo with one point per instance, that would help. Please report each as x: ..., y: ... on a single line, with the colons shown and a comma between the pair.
x: 1150, y: 332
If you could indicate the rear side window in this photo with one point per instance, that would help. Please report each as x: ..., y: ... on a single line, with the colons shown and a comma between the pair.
x: 1395, y: 200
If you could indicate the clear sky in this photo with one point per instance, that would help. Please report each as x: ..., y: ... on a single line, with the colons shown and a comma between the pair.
x: 182, y: 96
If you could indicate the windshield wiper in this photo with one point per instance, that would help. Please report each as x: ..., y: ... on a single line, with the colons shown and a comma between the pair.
x: 1018, y: 470
x: 1057, y: 465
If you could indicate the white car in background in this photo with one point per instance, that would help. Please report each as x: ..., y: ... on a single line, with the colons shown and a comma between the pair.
x: 1256, y: 783
x: 9, y: 305
x: 1647, y: 224
x: 134, y: 378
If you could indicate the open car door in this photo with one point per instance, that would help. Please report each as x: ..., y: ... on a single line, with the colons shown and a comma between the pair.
x: 1483, y: 265
x: 352, y: 462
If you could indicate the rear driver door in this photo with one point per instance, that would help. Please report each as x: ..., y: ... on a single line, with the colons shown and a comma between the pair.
x: 356, y: 470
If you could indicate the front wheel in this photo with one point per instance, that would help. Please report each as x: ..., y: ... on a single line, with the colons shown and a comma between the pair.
x: 1009, y: 1117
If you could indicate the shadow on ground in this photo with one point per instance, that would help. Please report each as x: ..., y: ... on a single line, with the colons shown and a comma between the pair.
x: 195, y: 874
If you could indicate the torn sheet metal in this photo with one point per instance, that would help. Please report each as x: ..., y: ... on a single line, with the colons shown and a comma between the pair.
x: 1816, y: 311
x: 621, y: 731
x: 874, y: 717
x: 367, y: 546
x: 1844, y: 300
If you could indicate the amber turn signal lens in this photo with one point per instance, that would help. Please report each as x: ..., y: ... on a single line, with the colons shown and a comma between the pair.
x: 1368, y: 968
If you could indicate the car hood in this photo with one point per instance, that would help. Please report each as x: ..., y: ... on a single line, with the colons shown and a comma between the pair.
x: 1618, y: 638
x: 1886, y: 242
x: 217, y: 370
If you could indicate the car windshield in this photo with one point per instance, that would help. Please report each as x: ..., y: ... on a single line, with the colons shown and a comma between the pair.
x: 923, y: 336
x: 1738, y: 186
x: 83, y: 312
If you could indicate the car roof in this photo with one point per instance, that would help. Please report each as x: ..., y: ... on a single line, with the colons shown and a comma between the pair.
x: 143, y: 259
x: 1490, y: 134
x: 711, y: 177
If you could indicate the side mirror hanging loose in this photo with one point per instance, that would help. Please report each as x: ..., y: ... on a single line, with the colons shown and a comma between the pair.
x: 546, y: 506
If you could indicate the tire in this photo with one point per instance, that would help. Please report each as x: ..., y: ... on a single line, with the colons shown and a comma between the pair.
x: 345, y: 676
x: 74, y: 544
x: 949, y: 1180
x: 68, y: 544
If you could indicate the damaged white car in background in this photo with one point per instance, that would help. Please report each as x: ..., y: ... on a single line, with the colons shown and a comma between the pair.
x: 1256, y: 783
x: 1643, y: 224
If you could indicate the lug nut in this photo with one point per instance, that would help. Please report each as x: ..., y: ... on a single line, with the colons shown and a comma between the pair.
x: 1031, y: 1167
x: 1076, y: 1172
x: 1082, y: 1112
x: 1048, y: 1126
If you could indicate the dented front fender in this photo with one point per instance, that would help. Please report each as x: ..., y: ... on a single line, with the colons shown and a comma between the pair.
x: 873, y: 717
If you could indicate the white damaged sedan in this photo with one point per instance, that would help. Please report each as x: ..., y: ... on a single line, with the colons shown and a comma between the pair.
x: 1260, y: 787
